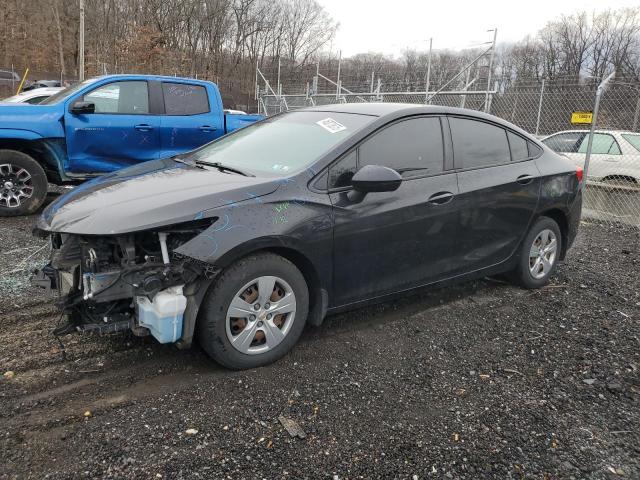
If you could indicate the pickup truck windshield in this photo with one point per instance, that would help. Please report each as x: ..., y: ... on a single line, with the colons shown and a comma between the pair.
x: 67, y: 92
x: 282, y: 145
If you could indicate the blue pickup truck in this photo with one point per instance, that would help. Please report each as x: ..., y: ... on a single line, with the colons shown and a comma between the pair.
x: 101, y: 125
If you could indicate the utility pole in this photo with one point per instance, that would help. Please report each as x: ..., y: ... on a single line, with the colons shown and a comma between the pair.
x: 428, y: 79
x: 338, y: 84
x: 493, y: 51
x: 81, y: 44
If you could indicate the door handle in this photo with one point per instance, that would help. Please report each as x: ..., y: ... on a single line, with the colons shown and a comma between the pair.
x: 440, y: 198
x: 525, y: 179
x: 207, y: 128
x: 143, y: 127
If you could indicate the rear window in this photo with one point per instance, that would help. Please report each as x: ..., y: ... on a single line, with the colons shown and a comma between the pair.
x: 478, y: 144
x: 565, y: 142
x: 184, y: 99
x: 634, y: 140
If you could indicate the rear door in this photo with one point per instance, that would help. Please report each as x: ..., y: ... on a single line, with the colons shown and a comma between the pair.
x: 499, y: 188
x: 605, y: 156
x: 189, y: 120
x: 122, y: 131
x: 391, y: 241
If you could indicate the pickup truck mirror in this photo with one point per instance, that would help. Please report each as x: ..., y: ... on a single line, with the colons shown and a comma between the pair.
x: 81, y: 107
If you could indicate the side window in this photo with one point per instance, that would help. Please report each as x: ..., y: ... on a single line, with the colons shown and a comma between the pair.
x: 6, y: 76
x: 534, y: 150
x: 183, y: 99
x: 634, y: 140
x: 411, y: 147
x: 603, y: 143
x: 564, y: 142
x: 341, y: 172
x: 478, y: 144
x: 35, y: 100
x: 615, y: 149
x: 120, y: 97
x: 518, y: 145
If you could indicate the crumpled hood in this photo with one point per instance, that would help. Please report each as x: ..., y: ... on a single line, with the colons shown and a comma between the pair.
x: 40, y: 120
x: 148, y: 195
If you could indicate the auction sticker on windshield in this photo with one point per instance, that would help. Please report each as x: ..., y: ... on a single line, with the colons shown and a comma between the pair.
x: 331, y: 126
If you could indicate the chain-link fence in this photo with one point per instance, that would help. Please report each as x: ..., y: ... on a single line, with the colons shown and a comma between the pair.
x: 560, y: 114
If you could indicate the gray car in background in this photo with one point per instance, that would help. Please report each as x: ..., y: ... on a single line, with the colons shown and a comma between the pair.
x: 7, y: 77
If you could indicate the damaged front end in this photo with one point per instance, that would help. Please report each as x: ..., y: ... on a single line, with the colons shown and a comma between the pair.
x: 133, y: 281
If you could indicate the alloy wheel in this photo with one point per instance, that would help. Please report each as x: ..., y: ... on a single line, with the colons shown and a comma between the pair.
x: 260, y: 315
x: 15, y: 185
x: 542, y: 255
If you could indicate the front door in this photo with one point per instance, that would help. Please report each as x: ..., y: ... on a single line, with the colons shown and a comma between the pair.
x: 390, y: 241
x: 121, y: 132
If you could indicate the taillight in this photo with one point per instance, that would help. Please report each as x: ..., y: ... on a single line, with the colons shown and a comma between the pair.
x: 579, y: 173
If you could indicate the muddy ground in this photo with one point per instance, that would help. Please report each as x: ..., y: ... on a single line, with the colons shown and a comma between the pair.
x: 484, y: 380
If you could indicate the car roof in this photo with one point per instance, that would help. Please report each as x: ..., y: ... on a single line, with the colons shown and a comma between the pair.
x: 144, y: 76
x: 396, y: 110
x: 599, y: 130
x: 36, y: 92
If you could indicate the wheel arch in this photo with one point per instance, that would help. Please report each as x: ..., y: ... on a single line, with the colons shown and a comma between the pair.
x: 41, y: 152
x: 318, y: 295
x: 561, y: 219
x: 626, y: 178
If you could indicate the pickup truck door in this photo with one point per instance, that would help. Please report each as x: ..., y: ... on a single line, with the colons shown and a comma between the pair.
x: 122, y: 131
x: 191, y: 118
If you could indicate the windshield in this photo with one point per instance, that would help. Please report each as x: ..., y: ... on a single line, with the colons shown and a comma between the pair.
x: 67, y: 92
x: 282, y: 145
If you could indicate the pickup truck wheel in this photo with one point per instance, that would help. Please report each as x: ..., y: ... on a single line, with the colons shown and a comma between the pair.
x: 23, y: 184
x: 254, y: 313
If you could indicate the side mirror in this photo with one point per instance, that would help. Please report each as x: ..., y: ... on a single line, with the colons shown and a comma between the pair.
x: 81, y: 107
x: 376, y: 178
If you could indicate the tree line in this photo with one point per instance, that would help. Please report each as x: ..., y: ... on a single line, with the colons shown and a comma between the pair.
x: 224, y: 40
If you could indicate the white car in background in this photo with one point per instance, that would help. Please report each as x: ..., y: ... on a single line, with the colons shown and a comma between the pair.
x: 33, y: 96
x: 615, y: 154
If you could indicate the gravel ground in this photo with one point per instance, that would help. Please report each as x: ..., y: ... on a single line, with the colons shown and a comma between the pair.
x: 484, y: 380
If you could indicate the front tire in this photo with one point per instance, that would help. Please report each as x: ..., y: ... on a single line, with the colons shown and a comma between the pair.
x: 539, y: 254
x: 254, y: 313
x: 23, y: 184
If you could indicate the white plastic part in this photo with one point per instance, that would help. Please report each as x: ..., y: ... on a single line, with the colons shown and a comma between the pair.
x: 163, y: 316
x: 163, y: 247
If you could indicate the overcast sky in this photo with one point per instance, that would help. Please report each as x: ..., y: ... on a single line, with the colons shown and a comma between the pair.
x: 392, y: 26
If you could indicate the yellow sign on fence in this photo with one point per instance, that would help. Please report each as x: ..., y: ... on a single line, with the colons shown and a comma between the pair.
x: 581, y: 117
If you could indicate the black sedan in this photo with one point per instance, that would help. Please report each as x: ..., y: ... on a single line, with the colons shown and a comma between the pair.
x: 249, y: 238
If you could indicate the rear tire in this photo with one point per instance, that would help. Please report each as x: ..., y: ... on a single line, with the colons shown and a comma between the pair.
x: 23, y: 184
x: 232, y: 334
x: 539, y: 254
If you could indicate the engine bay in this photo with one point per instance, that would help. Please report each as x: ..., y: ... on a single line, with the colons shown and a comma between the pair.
x: 124, y: 282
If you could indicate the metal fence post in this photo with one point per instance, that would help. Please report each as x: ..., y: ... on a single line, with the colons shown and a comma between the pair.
x: 594, y: 120
x: 540, y: 107
x: 636, y: 115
